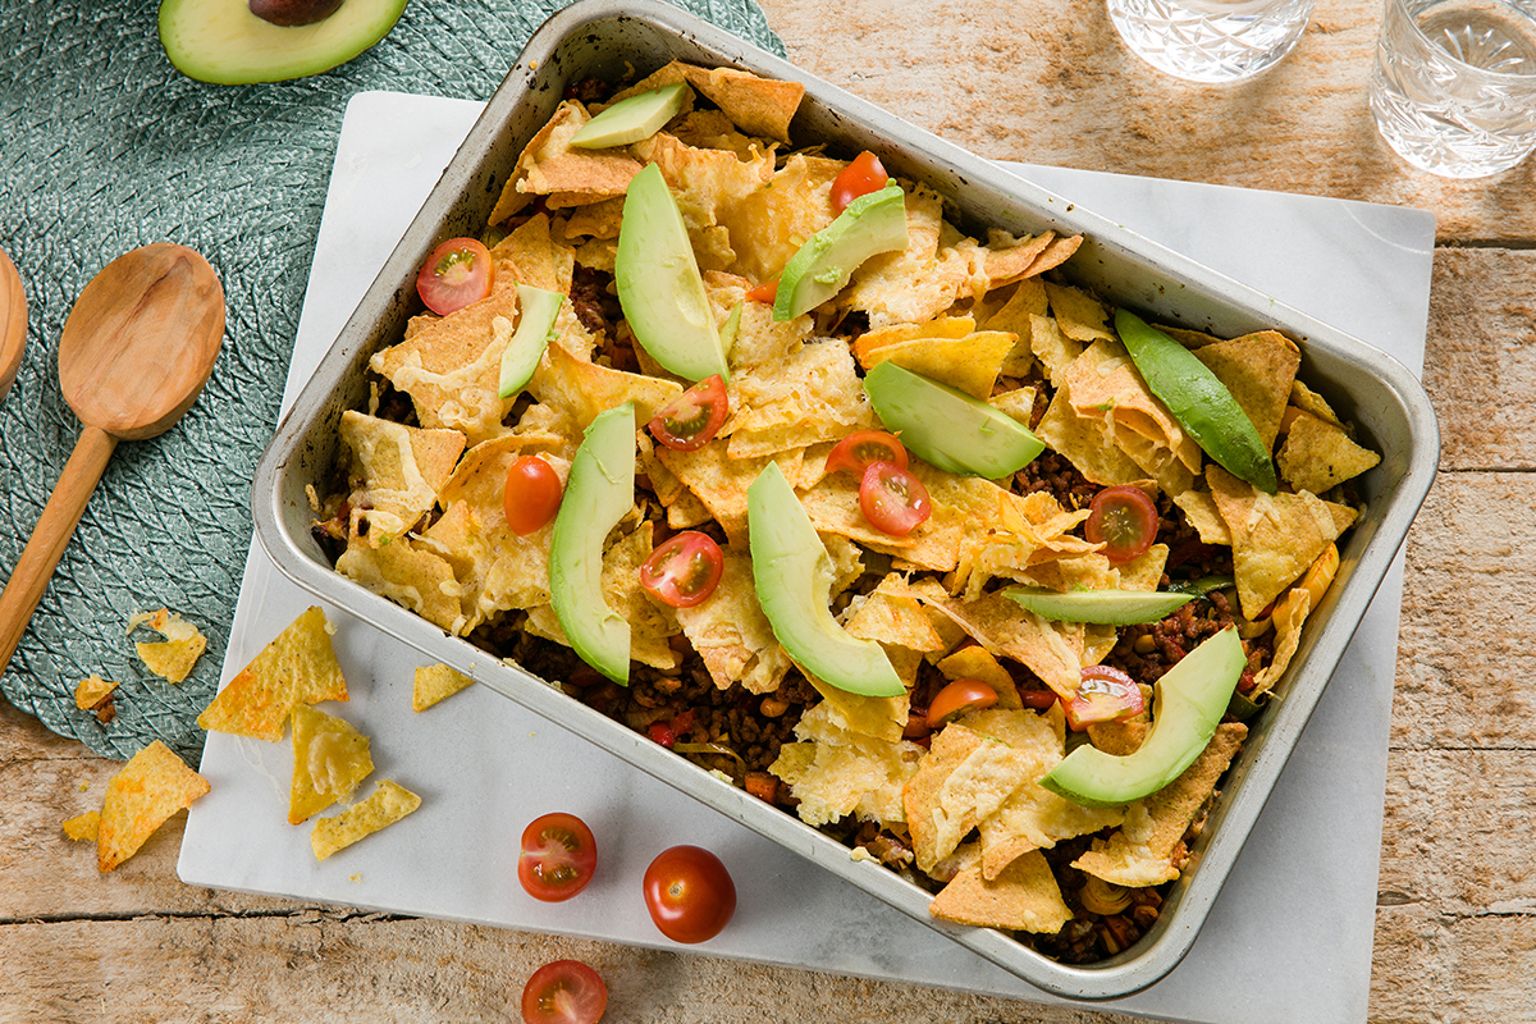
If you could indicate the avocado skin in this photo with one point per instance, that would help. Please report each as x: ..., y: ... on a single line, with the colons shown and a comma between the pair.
x: 632, y: 118
x: 1190, y: 701
x: 1109, y: 607
x: 872, y: 224
x: 222, y: 42
x: 793, y: 578
x: 1198, y: 400
x: 660, y: 288
x: 598, y: 493
x: 947, y: 428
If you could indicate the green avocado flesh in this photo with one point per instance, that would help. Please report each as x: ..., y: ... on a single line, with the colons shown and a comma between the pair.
x: 872, y: 224
x: 1198, y: 400
x: 221, y: 41
x: 1191, y: 698
x: 598, y: 493
x: 948, y: 428
x: 1110, y: 607
x: 660, y: 288
x: 632, y: 118
x: 537, y: 309
x: 793, y: 577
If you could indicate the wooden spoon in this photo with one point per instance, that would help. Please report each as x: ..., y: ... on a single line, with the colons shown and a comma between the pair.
x: 135, y: 352
x: 13, y: 322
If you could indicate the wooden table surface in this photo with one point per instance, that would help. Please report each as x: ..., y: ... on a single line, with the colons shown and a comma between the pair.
x: 1044, y: 81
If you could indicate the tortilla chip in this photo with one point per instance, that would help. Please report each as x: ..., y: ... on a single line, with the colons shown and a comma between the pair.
x: 151, y: 787
x: 1009, y: 259
x: 759, y: 106
x: 549, y: 165
x: 1201, y: 511
x: 409, y: 576
x: 1309, y: 401
x: 1023, y: 896
x: 1103, y: 383
x: 976, y: 662
x: 970, y: 363
x: 434, y: 683
x: 770, y: 225
x: 1004, y: 628
x: 813, y: 396
x: 386, y: 805
x: 330, y: 757
x: 583, y: 389
x: 1275, y: 537
x: 1258, y: 369
x: 1318, y: 456
x: 399, y: 468
x: 172, y: 658
x: 91, y: 691
x: 834, y: 773
x: 1078, y: 314
x: 891, y: 616
x: 920, y: 282
x: 84, y: 828
x: 1080, y: 440
x: 866, y: 344
x: 297, y: 667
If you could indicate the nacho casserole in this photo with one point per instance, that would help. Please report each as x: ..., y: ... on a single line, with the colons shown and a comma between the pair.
x: 954, y: 805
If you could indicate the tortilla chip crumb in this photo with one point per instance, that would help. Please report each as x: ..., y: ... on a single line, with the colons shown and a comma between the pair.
x: 97, y: 694
x: 435, y: 683
x: 387, y: 804
x: 173, y: 658
x: 152, y: 786
x: 83, y: 827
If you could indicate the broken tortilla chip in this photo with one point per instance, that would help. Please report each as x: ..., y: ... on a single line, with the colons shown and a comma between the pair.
x: 172, y: 658
x: 330, y: 757
x: 435, y: 683
x: 387, y: 804
x: 152, y: 786
x: 83, y: 828
x: 297, y: 667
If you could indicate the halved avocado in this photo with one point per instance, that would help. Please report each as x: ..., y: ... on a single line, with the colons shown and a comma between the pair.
x: 599, y: 491
x: 1190, y: 699
x: 632, y: 119
x: 536, y: 312
x: 1110, y: 607
x: 221, y: 41
x: 659, y: 285
x: 872, y: 224
x: 793, y: 577
x: 1198, y: 399
x: 948, y: 428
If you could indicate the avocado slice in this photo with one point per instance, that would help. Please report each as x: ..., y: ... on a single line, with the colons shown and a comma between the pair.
x: 221, y: 41
x: 871, y: 224
x: 537, y: 309
x: 599, y: 491
x: 660, y: 288
x: 1110, y: 607
x: 947, y: 427
x: 1191, y: 697
x: 632, y: 118
x: 1198, y: 400
x: 793, y: 576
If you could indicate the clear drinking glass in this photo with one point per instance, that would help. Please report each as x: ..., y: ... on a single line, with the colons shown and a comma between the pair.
x: 1453, y: 88
x: 1211, y: 40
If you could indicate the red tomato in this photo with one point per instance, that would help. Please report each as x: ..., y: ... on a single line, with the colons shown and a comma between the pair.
x: 1123, y: 519
x: 864, y: 175
x: 558, y: 858
x: 957, y: 698
x: 1104, y: 695
x: 532, y: 494
x: 893, y: 500
x: 689, y: 421
x: 1037, y: 700
x: 564, y: 992
x: 862, y: 447
x: 458, y: 272
x: 767, y: 292
x: 683, y: 571
x: 689, y: 893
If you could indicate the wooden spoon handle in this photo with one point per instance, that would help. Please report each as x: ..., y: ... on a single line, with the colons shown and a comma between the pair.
x: 51, y: 536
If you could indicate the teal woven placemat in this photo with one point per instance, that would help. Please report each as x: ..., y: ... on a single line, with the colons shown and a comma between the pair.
x: 107, y: 147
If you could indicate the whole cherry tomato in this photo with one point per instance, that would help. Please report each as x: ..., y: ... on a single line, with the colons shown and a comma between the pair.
x: 564, y: 992
x: 689, y: 894
x: 693, y: 418
x: 855, y: 452
x: 893, y: 500
x: 685, y: 570
x: 1124, y: 520
x: 957, y: 698
x: 558, y: 857
x: 862, y: 176
x: 458, y: 272
x: 532, y: 494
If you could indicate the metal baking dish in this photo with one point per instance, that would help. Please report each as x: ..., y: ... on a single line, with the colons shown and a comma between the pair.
x: 608, y: 37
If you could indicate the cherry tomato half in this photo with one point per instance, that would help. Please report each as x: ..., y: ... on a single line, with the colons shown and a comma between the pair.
x: 689, y: 893
x: 959, y: 697
x: 685, y: 570
x: 862, y: 447
x: 564, y: 992
x: 693, y: 418
x: 532, y: 494
x: 1105, y: 694
x: 1124, y: 520
x: 558, y: 857
x: 892, y: 499
x: 767, y: 292
x: 458, y: 272
x: 864, y: 175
